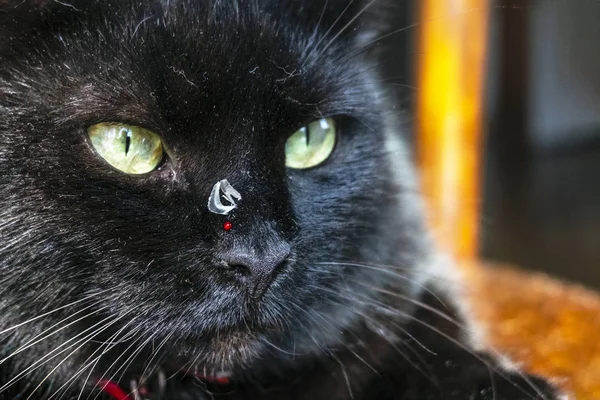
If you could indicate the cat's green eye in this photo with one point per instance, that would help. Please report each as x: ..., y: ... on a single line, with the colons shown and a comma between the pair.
x: 311, y: 145
x: 131, y: 149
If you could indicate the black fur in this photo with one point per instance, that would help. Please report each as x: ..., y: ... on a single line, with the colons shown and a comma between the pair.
x: 136, y: 260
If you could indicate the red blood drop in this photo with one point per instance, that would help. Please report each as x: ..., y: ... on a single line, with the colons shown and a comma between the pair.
x: 227, y: 226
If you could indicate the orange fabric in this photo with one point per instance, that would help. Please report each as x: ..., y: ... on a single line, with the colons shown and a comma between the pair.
x: 552, y: 328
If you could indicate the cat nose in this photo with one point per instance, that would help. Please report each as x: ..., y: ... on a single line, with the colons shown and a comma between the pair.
x: 259, y: 269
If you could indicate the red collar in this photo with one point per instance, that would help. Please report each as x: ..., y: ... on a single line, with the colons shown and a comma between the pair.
x: 113, y: 390
x: 117, y: 393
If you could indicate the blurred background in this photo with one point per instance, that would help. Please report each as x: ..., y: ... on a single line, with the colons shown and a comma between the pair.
x: 540, y: 195
x: 542, y: 181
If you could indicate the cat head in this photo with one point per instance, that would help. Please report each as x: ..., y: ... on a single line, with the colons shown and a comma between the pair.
x: 243, y: 91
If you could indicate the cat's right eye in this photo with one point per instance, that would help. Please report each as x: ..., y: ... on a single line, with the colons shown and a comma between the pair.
x: 311, y: 145
x: 130, y: 149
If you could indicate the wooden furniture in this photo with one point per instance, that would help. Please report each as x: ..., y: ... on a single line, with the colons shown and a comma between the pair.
x: 452, y: 39
x: 552, y: 328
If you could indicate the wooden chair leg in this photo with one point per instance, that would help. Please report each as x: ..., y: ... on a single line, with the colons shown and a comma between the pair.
x: 451, y: 69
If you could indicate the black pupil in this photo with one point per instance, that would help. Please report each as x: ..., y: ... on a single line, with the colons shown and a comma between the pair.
x: 127, y: 142
x: 307, y: 133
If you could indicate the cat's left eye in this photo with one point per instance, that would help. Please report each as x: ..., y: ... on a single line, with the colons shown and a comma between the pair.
x: 311, y: 145
x: 130, y: 149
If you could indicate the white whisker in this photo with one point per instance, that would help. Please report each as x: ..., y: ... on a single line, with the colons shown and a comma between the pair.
x: 361, y: 12
x: 67, y: 357
x: 155, y: 353
x: 128, y: 360
x: 51, y: 312
x: 45, y: 357
x: 106, y: 347
x: 346, y: 378
x: 32, y: 342
x: 457, y: 343
x: 316, y: 46
x: 386, y: 270
x: 81, y: 342
x: 373, y: 321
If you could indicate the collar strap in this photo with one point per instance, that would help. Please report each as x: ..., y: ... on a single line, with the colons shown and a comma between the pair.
x: 115, y: 392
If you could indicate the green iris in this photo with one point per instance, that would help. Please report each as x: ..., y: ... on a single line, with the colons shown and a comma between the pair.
x: 310, y: 145
x: 130, y: 149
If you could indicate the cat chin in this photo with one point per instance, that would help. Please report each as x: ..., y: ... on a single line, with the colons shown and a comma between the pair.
x: 232, y: 350
x: 241, y: 349
x: 213, y: 358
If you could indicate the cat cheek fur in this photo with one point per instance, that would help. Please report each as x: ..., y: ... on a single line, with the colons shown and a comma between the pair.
x: 124, y: 263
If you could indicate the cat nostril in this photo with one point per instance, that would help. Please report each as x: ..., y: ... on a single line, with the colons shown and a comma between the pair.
x: 259, y: 271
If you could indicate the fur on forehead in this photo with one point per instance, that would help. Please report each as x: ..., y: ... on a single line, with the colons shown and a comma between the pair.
x: 139, y: 32
x: 371, y: 15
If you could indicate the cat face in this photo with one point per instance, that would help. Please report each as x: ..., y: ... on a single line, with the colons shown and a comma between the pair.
x: 223, y: 86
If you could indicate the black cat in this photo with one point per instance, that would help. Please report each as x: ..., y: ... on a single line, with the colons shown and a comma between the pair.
x: 211, y: 198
